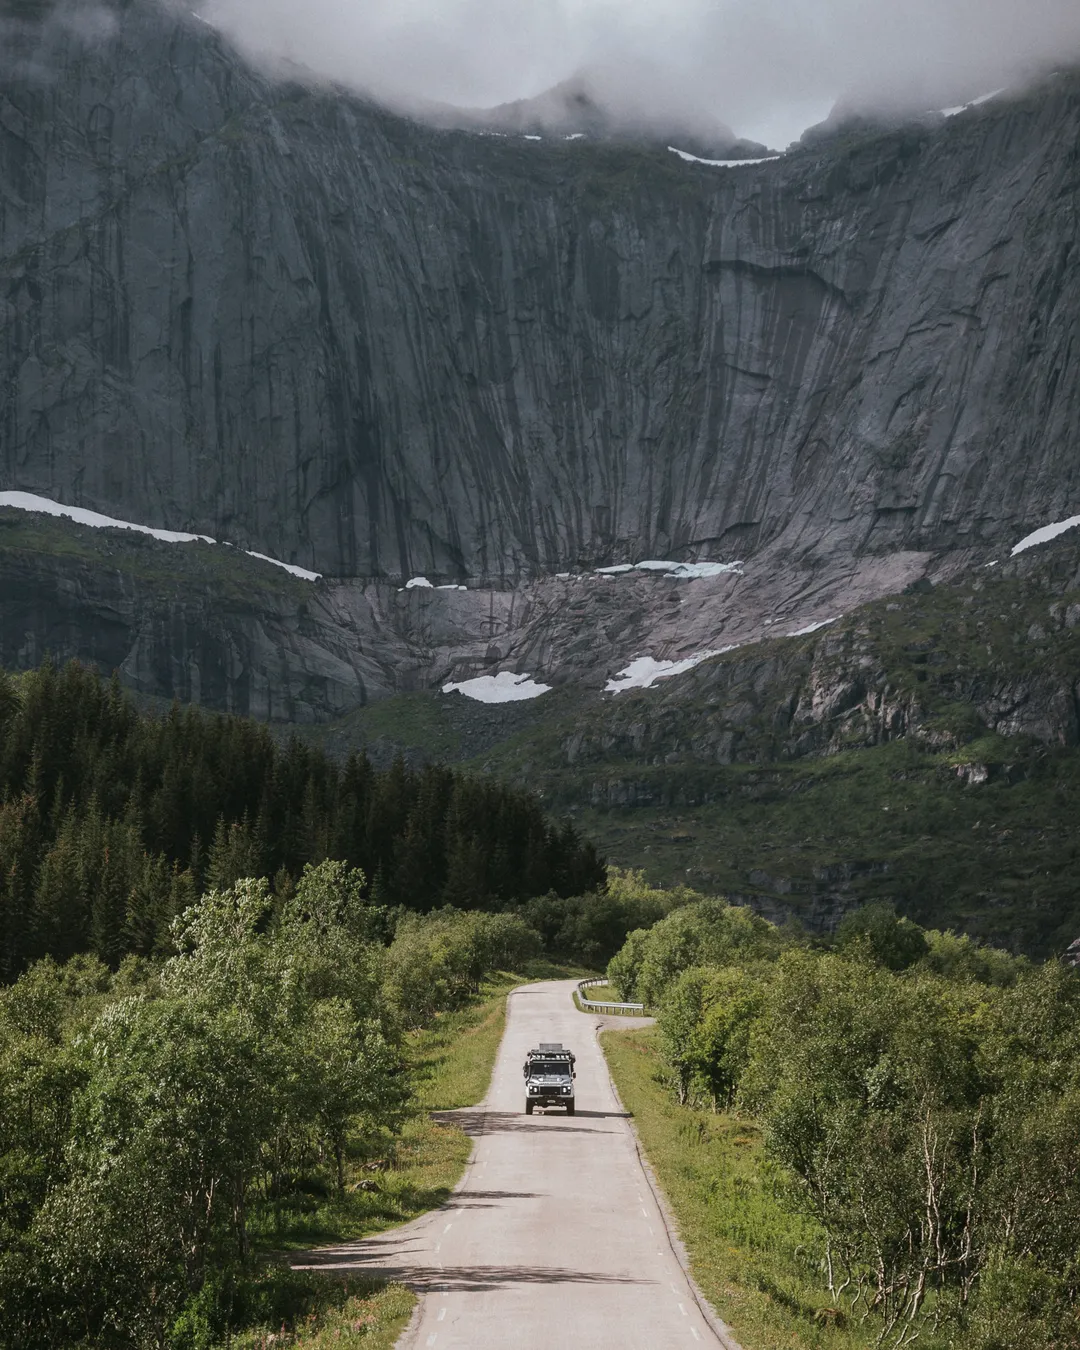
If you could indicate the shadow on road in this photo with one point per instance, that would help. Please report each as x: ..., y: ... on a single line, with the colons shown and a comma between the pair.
x: 469, y: 1279
x: 476, y: 1121
x: 475, y: 1199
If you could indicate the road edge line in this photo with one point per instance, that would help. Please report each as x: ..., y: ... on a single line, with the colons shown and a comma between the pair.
x: 713, y: 1320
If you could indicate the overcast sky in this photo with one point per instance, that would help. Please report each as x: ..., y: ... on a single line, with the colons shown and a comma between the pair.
x: 769, y: 68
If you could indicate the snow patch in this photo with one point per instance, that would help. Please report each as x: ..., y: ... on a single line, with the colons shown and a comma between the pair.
x: 683, y: 571
x: 643, y: 672
x: 419, y: 583
x: 533, y: 138
x: 451, y: 587
x: 975, y: 102
x: 575, y: 136
x: 1044, y: 535
x: 722, y: 163
x: 502, y: 688
x: 695, y: 571
x: 812, y: 628
x: 289, y: 567
x: 30, y: 501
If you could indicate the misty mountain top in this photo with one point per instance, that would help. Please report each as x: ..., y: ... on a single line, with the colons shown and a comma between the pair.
x: 768, y: 69
x: 592, y: 105
x: 689, y: 69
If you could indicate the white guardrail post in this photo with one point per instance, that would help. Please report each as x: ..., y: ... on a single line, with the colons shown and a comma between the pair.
x: 589, y: 1006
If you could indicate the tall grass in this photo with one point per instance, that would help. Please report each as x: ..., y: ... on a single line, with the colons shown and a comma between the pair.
x: 349, y: 1315
x: 759, y: 1265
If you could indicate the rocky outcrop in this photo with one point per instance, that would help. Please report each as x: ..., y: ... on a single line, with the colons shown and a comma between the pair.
x: 278, y: 315
x: 207, y: 624
x: 989, y: 652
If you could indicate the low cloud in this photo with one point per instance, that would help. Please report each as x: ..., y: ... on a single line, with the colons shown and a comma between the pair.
x: 766, y: 67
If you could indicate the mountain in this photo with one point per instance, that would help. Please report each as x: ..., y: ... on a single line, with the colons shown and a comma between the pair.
x: 279, y: 315
x: 801, y: 391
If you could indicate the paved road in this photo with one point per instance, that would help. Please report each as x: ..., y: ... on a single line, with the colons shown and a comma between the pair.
x: 554, y: 1237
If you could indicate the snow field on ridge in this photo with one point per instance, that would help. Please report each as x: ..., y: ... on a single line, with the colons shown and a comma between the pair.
x: 644, y: 671
x: 29, y: 501
x: 1044, y: 535
x: 722, y: 163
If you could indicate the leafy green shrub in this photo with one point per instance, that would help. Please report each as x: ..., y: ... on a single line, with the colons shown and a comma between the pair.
x: 890, y: 940
x: 436, y: 961
x: 708, y: 932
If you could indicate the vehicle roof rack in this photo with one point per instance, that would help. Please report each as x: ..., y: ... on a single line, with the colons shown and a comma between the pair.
x: 551, y: 1045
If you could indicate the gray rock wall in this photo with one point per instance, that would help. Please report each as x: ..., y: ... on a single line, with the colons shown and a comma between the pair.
x: 282, y: 317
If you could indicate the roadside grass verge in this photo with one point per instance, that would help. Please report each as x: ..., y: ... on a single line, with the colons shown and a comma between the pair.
x: 327, y: 1313
x: 757, y: 1264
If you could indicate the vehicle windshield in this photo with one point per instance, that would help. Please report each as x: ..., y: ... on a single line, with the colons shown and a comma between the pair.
x: 542, y: 1066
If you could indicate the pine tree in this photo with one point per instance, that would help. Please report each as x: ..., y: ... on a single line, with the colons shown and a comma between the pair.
x: 60, y: 909
x: 103, y: 814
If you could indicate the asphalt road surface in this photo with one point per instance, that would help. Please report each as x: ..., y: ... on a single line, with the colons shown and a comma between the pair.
x: 554, y: 1237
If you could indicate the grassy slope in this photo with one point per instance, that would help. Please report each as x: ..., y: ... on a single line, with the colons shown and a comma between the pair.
x: 227, y: 573
x: 882, y: 822
x: 894, y: 821
x: 756, y: 1263
x: 997, y: 860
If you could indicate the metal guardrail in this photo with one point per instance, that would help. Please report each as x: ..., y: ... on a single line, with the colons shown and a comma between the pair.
x: 588, y: 1005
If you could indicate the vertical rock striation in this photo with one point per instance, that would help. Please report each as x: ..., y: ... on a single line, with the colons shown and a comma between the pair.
x: 278, y: 315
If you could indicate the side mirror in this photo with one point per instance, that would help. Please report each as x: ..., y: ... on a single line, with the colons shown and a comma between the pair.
x: 573, y: 1073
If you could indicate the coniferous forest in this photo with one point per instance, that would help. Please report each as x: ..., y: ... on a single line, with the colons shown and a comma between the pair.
x: 112, y: 822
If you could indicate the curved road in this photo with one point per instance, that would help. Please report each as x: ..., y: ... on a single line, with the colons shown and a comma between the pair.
x: 554, y: 1237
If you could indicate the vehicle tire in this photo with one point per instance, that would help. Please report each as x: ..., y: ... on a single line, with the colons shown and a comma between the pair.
x: 528, y: 1108
x: 570, y: 1108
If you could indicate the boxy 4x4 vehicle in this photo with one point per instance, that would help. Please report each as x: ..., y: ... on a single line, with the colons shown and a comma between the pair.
x: 549, y: 1077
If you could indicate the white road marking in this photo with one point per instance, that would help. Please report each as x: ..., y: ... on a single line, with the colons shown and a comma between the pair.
x: 693, y: 1332
x: 442, y: 1314
x: 448, y: 1227
x: 644, y: 1211
x: 682, y: 1309
x: 433, y: 1338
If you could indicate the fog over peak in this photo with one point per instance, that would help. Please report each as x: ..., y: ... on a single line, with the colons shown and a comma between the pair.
x: 768, y: 68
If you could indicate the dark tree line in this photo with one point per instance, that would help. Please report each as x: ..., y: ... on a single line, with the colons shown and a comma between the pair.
x: 112, y: 822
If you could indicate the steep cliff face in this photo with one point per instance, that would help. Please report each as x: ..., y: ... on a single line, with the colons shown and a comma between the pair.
x: 278, y: 315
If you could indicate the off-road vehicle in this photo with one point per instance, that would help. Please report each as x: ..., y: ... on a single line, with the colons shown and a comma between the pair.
x: 549, y: 1077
